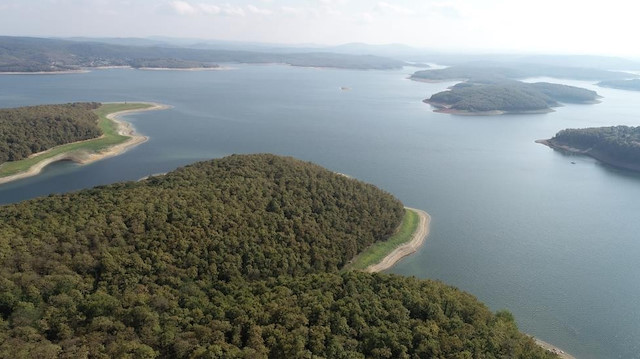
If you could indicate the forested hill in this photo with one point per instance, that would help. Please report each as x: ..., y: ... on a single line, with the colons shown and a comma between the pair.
x: 508, y: 96
x: 26, y: 54
x: 231, y: 258
x: 615, y: 145
x: 28, y: 130
x: 476, y: 71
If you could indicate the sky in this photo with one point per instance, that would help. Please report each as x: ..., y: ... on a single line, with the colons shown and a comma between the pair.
x: 536, y: 26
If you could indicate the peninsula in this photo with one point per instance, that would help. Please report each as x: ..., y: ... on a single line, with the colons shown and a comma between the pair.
x: 507, y: 97
x: 80, y: 132
x: 406, y: 240
x: 617, y: 146
x: 236, y: 257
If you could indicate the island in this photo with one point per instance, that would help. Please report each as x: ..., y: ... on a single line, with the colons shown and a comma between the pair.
x: 632, y: 84
x: 478, y: 71
x: 34, y: 136
x: 507, y: 97
x: 239, y: 257
x: 617, y: 146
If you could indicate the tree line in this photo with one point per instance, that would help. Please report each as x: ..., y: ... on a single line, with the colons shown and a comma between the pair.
x: 28, y: 130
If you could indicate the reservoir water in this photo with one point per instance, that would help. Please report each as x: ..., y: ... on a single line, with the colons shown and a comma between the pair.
x: 513, y: 222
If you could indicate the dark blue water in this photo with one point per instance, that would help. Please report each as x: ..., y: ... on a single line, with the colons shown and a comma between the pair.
x: 514, y: 222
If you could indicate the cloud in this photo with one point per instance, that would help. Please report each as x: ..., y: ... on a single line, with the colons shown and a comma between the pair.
x: 183, y: 8
x: 288, y: 10
x: 390, y: 8
x: 186, y: 8
x: 256, y: 10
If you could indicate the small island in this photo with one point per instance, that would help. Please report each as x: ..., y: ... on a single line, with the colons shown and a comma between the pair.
x: 617, y: 146
x: 36, y: 136
x: 507, y: 97
x: 631, y: 85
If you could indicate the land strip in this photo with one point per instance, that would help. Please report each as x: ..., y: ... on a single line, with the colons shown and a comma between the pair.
x: 118, y: 136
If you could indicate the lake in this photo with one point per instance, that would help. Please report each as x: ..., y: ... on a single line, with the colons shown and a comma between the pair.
x: 513, y: 222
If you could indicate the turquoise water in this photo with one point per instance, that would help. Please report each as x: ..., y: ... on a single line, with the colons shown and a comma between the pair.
x: 513, y: 222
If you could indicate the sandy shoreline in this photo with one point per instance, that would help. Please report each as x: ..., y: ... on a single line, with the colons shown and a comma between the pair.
x: 417, y: 239
x: 550, y: 347
x: 82, y: 158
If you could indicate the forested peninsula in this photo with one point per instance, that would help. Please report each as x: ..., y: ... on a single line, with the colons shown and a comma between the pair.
x: 618, y: 146
x: 501, y: 97
x: 32, y: 137
x: 232, y: 258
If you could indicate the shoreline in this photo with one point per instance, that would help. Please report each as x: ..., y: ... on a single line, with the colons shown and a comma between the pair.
x: 553, y: 349
x: 64, y: 72
x: 81, y: 157
x: 417, y: 239
x: 602, y: 158
x: 445, y: 108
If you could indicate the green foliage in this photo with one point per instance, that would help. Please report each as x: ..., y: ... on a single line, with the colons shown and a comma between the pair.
x: 28, y: 130
x: 377, y: 251
x: 231, y: 258
x: 617, y: 143
x: 510, y: 96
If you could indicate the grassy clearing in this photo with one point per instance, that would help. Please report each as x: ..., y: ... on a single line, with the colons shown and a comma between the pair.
x: 376, y: 252
x: 110, y: 138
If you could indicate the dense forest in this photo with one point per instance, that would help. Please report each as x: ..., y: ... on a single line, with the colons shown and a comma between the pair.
x: 31, y: 129
x: 232, y: 258
x: 509, y: 96
x: 513, y: 71
x: 633, y: 84
x: 27, y: 54
x: 616, y: 145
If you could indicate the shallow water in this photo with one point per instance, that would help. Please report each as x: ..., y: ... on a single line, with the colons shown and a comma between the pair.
x: 513, y: 222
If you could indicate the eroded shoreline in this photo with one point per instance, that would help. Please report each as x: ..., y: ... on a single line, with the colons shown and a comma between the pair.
x: 82, y: 157
x: 417, y: 239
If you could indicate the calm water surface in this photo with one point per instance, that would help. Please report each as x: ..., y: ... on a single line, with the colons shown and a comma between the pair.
x: 514, y: 222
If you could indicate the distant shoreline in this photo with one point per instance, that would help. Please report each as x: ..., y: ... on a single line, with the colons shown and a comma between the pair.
x: 605, y: 159
x: 417, y: 240
x: 444, y: 108
x: 85, y: 70
x: 64, y: 72
x: 81, y: 157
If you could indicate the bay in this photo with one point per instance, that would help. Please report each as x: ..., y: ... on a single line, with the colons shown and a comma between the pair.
x: 513, y: 222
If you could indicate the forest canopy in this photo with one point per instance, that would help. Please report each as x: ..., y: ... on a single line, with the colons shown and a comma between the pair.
x: 232, y: 258
x: 509, y: 96
x: 616, y: 145
x: 28, y: 130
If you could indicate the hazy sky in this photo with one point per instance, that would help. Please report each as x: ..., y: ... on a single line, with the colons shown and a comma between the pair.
x: 558, y: 26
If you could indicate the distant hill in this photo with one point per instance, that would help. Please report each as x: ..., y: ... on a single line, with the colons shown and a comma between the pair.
x: 231, y: 258
x: 482, y: 71
x: 507, y: 97
x: 632, y: 85
x: 23, y: 54
x: 618, y: 146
